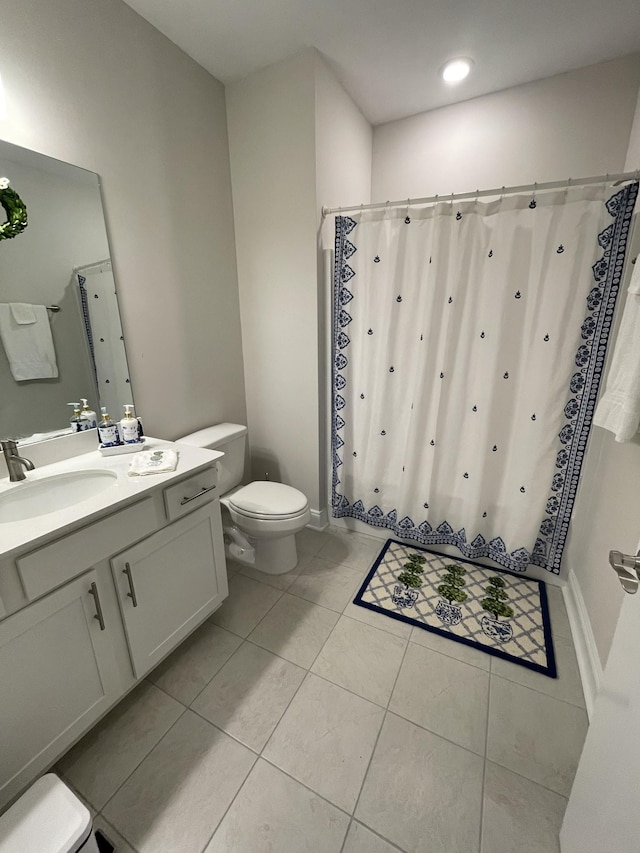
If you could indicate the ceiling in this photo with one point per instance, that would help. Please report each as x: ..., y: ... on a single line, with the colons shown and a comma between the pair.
x: 387, y: 53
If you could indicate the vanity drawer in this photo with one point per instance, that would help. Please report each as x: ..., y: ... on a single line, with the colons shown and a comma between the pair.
x: 54, y: 564
x: 191, y: 493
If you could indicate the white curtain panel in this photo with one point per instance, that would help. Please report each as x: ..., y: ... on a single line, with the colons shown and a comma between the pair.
x: 104, y: 335
x: 469, y: 341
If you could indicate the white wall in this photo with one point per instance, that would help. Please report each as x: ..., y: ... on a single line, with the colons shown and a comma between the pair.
x: 287, y: 124
x: 344, y: 147
x: 272, y: 144
x: 92, y: 83
x: 571, y: 125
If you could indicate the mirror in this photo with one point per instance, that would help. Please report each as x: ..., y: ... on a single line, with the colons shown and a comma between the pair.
x: 62, y: 262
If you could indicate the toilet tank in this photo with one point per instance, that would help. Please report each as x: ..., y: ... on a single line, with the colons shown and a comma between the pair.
x: 229, y: 439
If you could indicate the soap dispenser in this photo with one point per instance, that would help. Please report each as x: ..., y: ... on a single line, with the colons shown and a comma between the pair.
x: 78, y: 422
x: 108, y: 434
x: 88, y: 413
x: 129, y: 427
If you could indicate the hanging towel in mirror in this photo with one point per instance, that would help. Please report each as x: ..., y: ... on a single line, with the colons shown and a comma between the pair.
x: 23, y: 313
x: 29, y: 346
x: 619, y: 407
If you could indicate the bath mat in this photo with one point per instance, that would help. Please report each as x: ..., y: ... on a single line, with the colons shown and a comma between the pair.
x: 496, y: 611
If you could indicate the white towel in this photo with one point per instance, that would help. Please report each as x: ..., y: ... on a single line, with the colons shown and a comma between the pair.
x: 619, y: 407
x: 153, y: 462
x: 29, y: 347
x: 23, y: 313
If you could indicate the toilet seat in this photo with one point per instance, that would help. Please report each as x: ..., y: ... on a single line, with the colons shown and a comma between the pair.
x: 266, y: 500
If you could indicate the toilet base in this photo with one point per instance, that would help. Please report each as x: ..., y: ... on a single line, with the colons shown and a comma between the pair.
x: 276, y: 556
x: 271, y: 556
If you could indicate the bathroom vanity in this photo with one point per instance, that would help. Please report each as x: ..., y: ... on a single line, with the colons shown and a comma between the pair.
x: 95, y: 593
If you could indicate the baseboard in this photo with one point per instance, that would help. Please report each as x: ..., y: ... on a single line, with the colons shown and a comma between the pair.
x: 584, y: 641
x: 319, y: 519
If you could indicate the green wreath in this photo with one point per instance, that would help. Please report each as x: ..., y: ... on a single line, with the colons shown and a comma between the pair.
x: 15, y: 209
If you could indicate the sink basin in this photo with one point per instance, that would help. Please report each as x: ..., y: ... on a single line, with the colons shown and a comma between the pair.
x: 40, y: 497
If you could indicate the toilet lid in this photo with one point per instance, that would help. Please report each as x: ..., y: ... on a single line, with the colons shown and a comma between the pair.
x: 263, y: 499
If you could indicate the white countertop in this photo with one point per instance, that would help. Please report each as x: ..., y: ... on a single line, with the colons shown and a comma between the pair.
x: 17, y: 536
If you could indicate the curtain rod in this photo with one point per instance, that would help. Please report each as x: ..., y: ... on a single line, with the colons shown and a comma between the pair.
x: 552, y: 185
x: 91, y: 266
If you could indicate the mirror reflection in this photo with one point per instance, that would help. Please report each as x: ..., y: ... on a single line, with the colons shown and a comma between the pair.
x: 60, y: 332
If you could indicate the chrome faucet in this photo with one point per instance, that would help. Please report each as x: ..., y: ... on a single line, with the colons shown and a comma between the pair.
x: 14, y: 462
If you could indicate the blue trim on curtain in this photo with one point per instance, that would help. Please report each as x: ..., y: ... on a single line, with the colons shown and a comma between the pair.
x: 87, y: 322
x: 583, y: 391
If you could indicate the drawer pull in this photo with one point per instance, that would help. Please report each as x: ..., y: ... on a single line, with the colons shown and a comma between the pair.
x: 93, y: 590
x: 132, y: 590
x: 198, y: 495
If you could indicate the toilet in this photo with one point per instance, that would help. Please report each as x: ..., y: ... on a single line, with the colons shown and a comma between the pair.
x: 261, y: 519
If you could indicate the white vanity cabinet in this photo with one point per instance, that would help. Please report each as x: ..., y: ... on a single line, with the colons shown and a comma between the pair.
x: 58, y: 675
x: 166, y: 585
x: 91, y: 612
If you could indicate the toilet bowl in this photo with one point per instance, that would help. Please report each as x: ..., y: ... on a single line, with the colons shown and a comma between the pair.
x: 260, y: 520
x: 268, y: 515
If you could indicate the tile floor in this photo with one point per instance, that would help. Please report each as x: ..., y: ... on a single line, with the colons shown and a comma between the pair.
x: 295, y: 722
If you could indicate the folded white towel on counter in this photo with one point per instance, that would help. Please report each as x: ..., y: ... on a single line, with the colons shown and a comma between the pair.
x: 23, y: 313
x: 153, y: 462
x: 619, y: 407
x: 29, y: 346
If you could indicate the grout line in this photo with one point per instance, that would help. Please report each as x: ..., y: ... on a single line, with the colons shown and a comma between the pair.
x: 391, y: 844
x: 305, y: 786
x: 346, y: 835
x: 539, y: 692
x: 451, y: 656
x: 436, y: 734
x: 298, y: 689
x: 528, y: 779
x: 484, y: 766
x: 375, y: 745
x: 395, y: 680
x: 166, y: 692
x: 260, y: 584
x: 220, y: 668
x: 348, y: 690
x: 182, y: 713
x: 233, y: 799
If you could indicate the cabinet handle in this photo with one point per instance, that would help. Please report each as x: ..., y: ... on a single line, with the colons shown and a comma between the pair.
x: 93, y: 590
x: 199, y: 495
x: 132, y: 590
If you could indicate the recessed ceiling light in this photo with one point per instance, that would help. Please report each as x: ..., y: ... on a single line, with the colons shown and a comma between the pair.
x: 456, y: 69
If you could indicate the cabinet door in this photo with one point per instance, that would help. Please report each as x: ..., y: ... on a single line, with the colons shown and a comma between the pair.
x: 169, y: 583
x: 58, y: 674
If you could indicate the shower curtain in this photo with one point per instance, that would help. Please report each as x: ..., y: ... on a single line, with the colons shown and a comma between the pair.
x: 105, y: 340
x: 468, y: 345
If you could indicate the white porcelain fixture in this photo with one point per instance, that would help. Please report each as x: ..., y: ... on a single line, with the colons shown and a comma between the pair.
x: 30, y: 499
x: 48, y: 818
x: 262, y: 518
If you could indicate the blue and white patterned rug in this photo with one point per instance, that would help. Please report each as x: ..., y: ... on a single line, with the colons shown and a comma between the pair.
x: 498, y: 612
